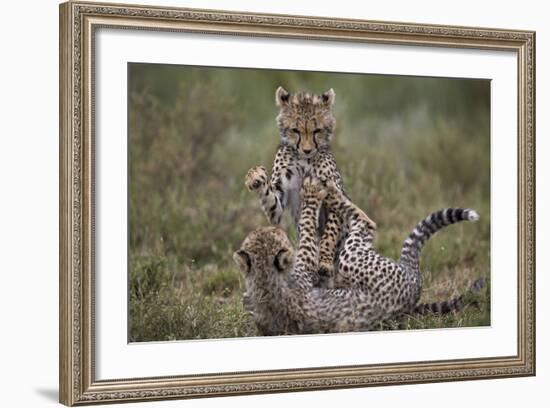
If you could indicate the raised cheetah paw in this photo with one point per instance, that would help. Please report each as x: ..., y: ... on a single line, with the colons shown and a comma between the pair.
x: 312, y: 189
x: 256, y: 178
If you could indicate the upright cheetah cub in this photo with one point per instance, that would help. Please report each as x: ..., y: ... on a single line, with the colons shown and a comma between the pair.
x: 306, y: 126
x: 280, y: 284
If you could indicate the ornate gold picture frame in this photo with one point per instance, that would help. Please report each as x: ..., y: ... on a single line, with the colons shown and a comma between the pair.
x: 79, y: 23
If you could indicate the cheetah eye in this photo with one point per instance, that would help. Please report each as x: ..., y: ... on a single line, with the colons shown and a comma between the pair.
x: 296, y: 130
x: 316, y: 131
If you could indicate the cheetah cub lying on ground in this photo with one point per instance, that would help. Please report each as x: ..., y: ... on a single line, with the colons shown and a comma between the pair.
x: 306, y: 126
x: 280, y: 283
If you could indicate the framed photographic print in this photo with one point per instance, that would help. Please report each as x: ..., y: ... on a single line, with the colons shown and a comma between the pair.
x: 256, y: 203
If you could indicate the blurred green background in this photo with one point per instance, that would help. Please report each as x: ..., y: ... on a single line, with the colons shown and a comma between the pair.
x: 405, y: 146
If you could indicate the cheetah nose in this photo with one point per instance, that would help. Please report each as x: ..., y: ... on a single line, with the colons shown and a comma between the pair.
x: 308, y: 151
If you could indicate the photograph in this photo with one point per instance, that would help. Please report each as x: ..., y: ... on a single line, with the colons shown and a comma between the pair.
x: 267, y: 202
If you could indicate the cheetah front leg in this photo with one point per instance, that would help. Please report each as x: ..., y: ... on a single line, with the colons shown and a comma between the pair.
x: 360, y: 226
x: 273, y: 194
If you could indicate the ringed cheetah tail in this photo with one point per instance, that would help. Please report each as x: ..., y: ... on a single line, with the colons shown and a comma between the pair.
x: 410, y: 253
x: 447, y: 306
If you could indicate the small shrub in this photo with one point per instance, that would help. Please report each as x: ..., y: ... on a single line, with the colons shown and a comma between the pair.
x: 222, y: 283
x: 147, y: 277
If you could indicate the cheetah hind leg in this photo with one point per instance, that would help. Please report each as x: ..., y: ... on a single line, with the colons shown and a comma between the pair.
x: 348, y: 212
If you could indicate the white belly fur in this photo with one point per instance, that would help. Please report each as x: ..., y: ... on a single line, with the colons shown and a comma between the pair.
x: 293, y: 187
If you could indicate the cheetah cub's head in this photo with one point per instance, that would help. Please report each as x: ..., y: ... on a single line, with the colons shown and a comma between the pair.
x: 306, y: 121
x: 265, y: 252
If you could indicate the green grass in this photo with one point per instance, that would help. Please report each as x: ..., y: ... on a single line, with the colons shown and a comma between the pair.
x: 405, y: 147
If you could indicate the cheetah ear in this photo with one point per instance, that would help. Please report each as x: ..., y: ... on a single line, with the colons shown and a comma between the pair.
x: 281, y: 96
x: 243, y: 261
x: 282, y: 260
x: 328, y: 97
